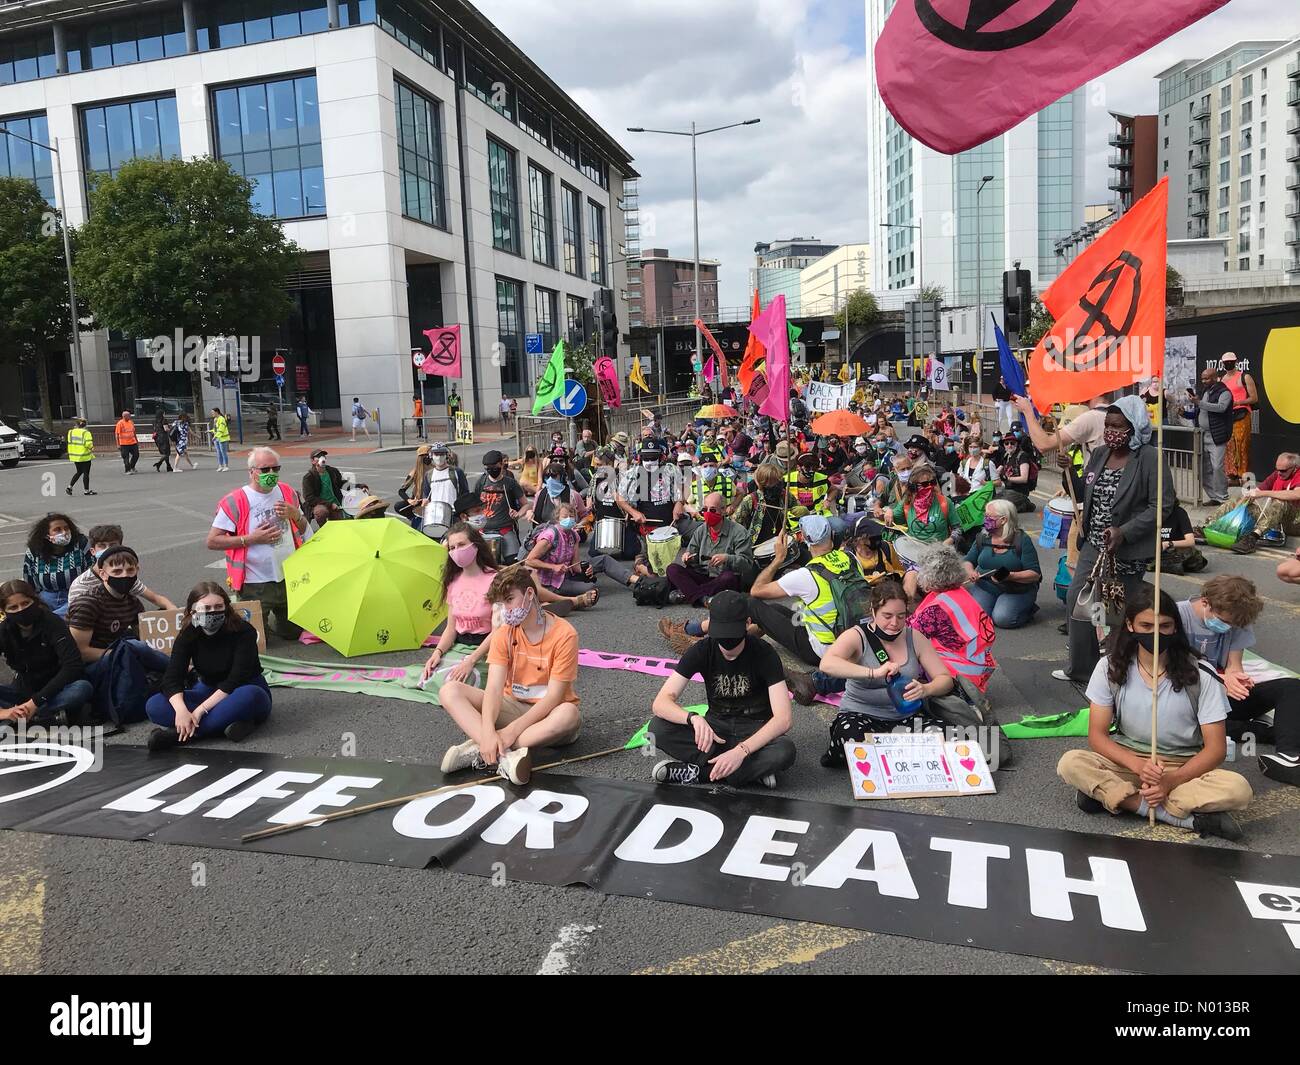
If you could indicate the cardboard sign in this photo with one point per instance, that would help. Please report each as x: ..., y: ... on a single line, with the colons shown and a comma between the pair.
x: 159, y: 628
x: 908, y: 766
x: 824, y: 397
x: 464, y: 428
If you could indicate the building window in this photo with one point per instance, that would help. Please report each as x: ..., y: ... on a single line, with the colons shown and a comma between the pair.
x: 230, y: 23
x: 1245, y: 165
x: 137, y: 39
x: 1224, y: 193
x: 419, y: 156
x: 1225, y: 172
x: 1223, y: 222
x: 1245, y: 112
x: 18, y: 159
x: 593, y: 166
x: 1244, y: 192
x: 573, y: 307
x: 1247, y: 86
x: 565, y: 143
x: 505, y: 200
x: 113, y: 134
x: 1225, y: 145
x: 571, y: 229
x: 488, y: 86
x: 539, y: 203
x: 545, y: 316
x: 26, y: 58
x: 1225, y: 96
x: 536, y: 123
x: 270, y: 132
x: 595, y: 243
x: 411, y: 28
x: 510, y: 330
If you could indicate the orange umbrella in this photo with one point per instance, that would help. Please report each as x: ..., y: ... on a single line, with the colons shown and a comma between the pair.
x: 840, y: 423
x: 715, y: 411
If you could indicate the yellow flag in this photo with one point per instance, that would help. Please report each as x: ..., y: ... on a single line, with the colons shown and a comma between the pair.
x: 635, y: 375
x: 844, y: 374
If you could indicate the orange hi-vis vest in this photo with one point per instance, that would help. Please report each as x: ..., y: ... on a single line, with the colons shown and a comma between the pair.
x: 235, y: 507
x: 975, y: 661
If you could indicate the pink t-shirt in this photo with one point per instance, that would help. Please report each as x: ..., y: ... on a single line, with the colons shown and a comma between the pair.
x: 467, y: 602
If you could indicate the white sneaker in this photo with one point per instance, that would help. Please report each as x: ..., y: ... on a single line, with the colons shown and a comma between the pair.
x: 1060, y: 674
x: 461, y: 756
x: 516, y: 766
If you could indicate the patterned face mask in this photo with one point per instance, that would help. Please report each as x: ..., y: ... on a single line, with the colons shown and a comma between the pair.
x: 514, y: 616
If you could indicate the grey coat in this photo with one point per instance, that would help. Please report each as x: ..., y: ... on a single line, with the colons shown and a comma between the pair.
x: 1134, y: 512
x: 733, y: 541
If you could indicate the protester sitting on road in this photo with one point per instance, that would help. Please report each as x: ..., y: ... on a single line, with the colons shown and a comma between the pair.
x: 556, y: 489
x: 759, y: 511
x: 1263, y: 700
x: 884, y: 675
x: 555, y: 558
x: 105, y: 625
x: 718, y: 556
x: 810, y: 489
x: 101, y: 538
x: 322, y: 490
x: 1274, y: 504
x: 1019, y: 473
x: 1183, y: 784
x: 250, y: 527
x: 743, y: 738
x: 529, y: 698
x: 433, y: 479
x: 952, y: 618
x: 57, y: 553
x: 928, y: 513
x: 1178, y: 551
x: 1003, y: 563
x: 48, y: 674
x: 464, y: 588
x: 372, y: 507
x: 230, y: 697
x: 875, y: 555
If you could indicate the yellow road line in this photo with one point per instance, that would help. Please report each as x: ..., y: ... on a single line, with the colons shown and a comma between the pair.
x: 1262, y: 807
x: 782, y: 944
x: 22, y: 922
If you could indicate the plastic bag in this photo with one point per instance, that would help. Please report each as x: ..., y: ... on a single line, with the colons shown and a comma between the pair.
x: 1227, y: 530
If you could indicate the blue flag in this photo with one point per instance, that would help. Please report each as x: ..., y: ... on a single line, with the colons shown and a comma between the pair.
x: 1012, y: 373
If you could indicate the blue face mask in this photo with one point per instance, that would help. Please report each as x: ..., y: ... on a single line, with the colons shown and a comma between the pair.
x: 1217, y: 625
x: 567, y: 523
x: 554, y: 487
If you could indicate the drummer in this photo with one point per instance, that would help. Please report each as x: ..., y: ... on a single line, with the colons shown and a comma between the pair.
x: 759, y: 511
x: 431, y: 488
x: 876, y: 555
x: 811, y: 489
x: 718, y: 556
x: 651, y: 496
x: 602, y: 498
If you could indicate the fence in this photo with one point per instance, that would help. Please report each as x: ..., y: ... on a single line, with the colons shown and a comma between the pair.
x: 105, y: 437
x: 676, y: 412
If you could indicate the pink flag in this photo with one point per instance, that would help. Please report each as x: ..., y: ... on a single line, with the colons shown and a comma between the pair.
x: 709, y: 371
x: 770, y: 330
x: 956, y: 73
x: 607, y: 381
x: 443, y: 359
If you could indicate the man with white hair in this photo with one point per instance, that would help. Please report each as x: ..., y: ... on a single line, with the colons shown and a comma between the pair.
x: 250, y: 527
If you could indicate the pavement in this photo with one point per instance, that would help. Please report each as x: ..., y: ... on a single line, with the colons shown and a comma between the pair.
x: 72, y: 905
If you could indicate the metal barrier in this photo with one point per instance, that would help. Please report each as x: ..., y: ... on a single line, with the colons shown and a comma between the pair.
x: 675, y: 412
x: 105, y: 437
x: 436, y: 427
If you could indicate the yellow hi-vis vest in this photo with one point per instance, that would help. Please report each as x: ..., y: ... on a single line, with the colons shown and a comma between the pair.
x: 820, y: 616
x: 81, y: 445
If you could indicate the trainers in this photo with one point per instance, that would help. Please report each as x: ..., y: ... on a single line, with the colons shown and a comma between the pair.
x: 1087, y: 803
x: 461, y: 756
x: 516, y: 766
x: 801, y: 686
x: 670, y: 772
x: 1281, y: 767
x: 68, y: 490
x: 163, y: 739
x: 1221, y: 824
x: 1063, y: 628
x: 1246, y: 545
x: 768, y: 781
x: 678, y: 638
x: 1060, y: 674
x: 676, y: 598
x: 238, y: 731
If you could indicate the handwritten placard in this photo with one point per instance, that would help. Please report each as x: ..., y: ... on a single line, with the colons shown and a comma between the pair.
x: 911, y: 765
x: 159, y: 628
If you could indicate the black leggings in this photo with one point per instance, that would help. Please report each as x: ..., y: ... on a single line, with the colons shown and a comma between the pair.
x: 82, y: 474
x: 855, y: 726
x: 1282, y: 696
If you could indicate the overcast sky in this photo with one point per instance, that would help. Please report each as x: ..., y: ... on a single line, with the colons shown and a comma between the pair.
x: 799, y: 65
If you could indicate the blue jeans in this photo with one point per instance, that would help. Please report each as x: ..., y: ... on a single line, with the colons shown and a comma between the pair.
x: 56, y: 601
x: 223, y: 453
x: 1009, y: 610
x: 248, y: 702
x: 119, y: 680
x: 75, y: 695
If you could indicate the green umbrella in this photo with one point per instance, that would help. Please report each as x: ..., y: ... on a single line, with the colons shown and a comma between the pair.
x: 368, y: 585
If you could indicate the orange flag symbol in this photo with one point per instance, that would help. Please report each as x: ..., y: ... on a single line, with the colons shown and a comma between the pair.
x: 754, y: 353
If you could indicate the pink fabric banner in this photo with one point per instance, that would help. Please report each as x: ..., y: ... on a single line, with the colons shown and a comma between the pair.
x: 443, y: 359
x: 607, y: 381
x: 654, y: 667
x: 956, y: 73
x: 770, y: 330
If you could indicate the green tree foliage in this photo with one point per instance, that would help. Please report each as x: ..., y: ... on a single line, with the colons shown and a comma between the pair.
x: 1040, y: 321
x: 863, y: 310
x: 934, y: 294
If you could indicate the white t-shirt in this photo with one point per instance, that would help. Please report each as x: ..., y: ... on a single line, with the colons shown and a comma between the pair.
x: 263, y: 563
x: 504, y: 408
x: 442, y: 485
x: 1178, y: 728
x: 1088, y: 430
x: 800, y: 583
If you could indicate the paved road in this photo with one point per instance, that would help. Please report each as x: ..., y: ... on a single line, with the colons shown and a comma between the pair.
x: 88, y: 905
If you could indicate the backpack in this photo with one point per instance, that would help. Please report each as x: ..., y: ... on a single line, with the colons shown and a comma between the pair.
x: 850, y: 593
x: 651, y: 591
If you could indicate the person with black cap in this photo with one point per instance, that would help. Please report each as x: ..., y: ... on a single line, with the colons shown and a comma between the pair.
x: 503, y: 502
x: 322, y: 489
x: 743, y: 737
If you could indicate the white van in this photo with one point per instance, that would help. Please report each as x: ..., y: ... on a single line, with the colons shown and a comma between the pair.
x: 10, y: 448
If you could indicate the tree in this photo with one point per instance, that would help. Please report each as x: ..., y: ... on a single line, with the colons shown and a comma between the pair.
x: 933, y: 294
x: 1173, y: 287
x: 175, y: 244
x: 33, y: 282
x: 1040, y: 321
x: 863, y: 311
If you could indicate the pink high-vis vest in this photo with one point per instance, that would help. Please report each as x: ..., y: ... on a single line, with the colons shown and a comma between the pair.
x: 974, y: 628
x: 235, y: 507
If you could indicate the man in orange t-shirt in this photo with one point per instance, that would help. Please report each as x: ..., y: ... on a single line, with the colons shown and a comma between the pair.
x: 128, y: 444
x: 417, y: 406
x: 529, y: 698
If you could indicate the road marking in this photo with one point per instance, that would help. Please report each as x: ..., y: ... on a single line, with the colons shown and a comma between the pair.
x: 558, y: 960
x: 1262, y: 807
x: 782, y: 944
x: 22, y: 907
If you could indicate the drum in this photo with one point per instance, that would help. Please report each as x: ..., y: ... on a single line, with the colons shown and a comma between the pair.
x: 909, y: 551
x: 797, y: 555
x: 662, y: 546
x: 1063, y: 510
x: 436, y: 519
x: 607, y: 538
x: 496, y: 545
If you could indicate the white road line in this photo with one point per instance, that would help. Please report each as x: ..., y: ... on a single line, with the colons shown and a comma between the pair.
x: 558, y: 959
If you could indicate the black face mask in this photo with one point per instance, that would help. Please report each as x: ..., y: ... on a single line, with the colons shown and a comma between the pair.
x: 121, y: 585
x: 1147, y: 641
x: 26, y: 616
x: 733, y: 646
x: 494, y: 471
x: 887, y: 636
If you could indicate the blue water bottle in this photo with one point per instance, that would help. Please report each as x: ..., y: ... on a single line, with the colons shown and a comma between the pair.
x: 905, y: 707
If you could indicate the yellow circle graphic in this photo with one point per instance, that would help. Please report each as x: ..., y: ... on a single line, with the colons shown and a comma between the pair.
x: 1281, y: 382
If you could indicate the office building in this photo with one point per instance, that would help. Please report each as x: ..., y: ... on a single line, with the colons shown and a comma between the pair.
x: 668, y: 288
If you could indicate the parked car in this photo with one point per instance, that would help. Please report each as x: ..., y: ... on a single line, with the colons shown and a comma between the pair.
x: 36, y: 443
x: 10, y: 448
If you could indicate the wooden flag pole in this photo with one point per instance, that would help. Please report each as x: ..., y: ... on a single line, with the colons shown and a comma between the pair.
x: 1155, y: 647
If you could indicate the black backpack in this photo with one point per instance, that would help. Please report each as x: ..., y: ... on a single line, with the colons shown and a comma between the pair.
x: 651, y: 591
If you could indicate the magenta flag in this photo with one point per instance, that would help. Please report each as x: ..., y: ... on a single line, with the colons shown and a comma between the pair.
x: 443, y: 359
x: 710, y: 371
x: 607, y: 381
x: 956, y: 73
x: 770, y: 330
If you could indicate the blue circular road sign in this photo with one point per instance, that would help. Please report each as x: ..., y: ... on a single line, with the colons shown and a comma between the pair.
x: 574, y: 400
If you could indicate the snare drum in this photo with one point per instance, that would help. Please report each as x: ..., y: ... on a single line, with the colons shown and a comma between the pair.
x: 1065, y: 509
x: 797, y: 555
x: 607, y: 538
x: 909, y: 551
x: 662, y: 546
x: 436, y: 519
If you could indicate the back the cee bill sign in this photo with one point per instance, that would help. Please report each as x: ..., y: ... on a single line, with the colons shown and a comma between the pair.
x: 1121, y: 903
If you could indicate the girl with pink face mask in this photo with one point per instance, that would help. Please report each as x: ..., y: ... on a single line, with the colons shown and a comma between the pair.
x: 470, y: 569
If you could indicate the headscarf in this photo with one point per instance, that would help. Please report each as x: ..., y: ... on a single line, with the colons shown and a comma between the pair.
x: 1136, y: 414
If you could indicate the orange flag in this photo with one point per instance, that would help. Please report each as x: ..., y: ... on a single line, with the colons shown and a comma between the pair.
x: 754, y: 352
x: 1109, y: 306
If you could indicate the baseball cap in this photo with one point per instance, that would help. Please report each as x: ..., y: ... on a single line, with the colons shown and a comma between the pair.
x: 650, y: 447
x: 685, y: 459
x: 438, y: 449
x: 816, y: 528
x: 319, y: 453
x: 728, y: 615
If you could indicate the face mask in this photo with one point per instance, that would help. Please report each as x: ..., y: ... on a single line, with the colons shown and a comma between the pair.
x: 861, y: 449
x: 463, y: 555
x: 924, y: 491
x: 887, y: 636
x: 478, y: 521
x: 651, y: 465
x: 268, y: 480
x: 120, y: 586
x: 709, y: 472
x: 210, y: 622
x: 554, y: 487
x: 439, y: 462
x: 712, y: 519
x: 732, y: 647
x: 1116, y: 439
x: 514, y: 616
x: 26, y: 616
x: 494, y: 472
x: 997, y: 440
x: 568, y: 523
x: 950, y: 449
x: 1217, y: 625
x: 61, y: 539
x: 904, y: 476
x: 991, y: 525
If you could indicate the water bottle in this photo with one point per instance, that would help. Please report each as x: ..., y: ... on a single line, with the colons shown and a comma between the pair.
x: 906, y: 707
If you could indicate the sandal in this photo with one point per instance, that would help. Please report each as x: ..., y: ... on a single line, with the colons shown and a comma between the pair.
x: 587, y: 600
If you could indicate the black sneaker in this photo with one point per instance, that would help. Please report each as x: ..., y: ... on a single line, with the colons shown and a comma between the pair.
x: 768, y: 780
x: 68, y: 490
x: 1221, y: 824
x: 163, y: 739
x: 670, y: 772
x: 1198, y: 536
x: 239, y: 731
x: 1063, y: 628
x: 1284, y: 768
x: 829, y: 760
x: 676, y: 598
x: 801, y: 686
x: 1087, y: 803
x: 1246, y: 545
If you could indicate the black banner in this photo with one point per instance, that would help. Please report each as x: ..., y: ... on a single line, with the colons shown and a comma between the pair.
x: 1123, y: 903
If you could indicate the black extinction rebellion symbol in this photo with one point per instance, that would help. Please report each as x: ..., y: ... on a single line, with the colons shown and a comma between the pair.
x: 1085, y: 351
x: 441, y: 349
x: 979, y: 13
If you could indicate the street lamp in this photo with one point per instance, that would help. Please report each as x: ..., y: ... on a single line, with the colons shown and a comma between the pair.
x: 67, y: 258
x: 693, y: 133
x: 979, y: 296
x: 920, y: 280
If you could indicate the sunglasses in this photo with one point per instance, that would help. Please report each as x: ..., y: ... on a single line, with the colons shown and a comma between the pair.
x: 710, y: 510
x: 267, y: 469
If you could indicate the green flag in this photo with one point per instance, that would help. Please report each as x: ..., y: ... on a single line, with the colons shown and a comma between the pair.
x: 550, y: 386
x: 794, y: 331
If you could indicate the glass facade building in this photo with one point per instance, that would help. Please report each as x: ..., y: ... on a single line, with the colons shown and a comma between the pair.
x: 543, y: 215
x: 116, y: 133
x: 510, y: 335
x: 20, y: 159
x: 505, y: 197
x: 419, y: 156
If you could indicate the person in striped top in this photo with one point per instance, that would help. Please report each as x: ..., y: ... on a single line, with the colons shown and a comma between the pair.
x: 57, y: 553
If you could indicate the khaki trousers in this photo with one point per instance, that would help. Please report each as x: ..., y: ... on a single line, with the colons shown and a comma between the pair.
x: 1111, y: 784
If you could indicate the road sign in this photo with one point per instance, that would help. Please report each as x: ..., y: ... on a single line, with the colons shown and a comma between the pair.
x: 574, y: 400
x: 533, y: 343
x: 417, y: 357
x: 278, y: 365
x: 279, y: 380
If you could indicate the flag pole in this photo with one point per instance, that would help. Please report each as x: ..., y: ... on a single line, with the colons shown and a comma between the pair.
x: 1155, y: 646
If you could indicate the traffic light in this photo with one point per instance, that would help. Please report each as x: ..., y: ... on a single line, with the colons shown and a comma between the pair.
x: 1017, y: 300
x: 588, y: 325
x: 608, y: 323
